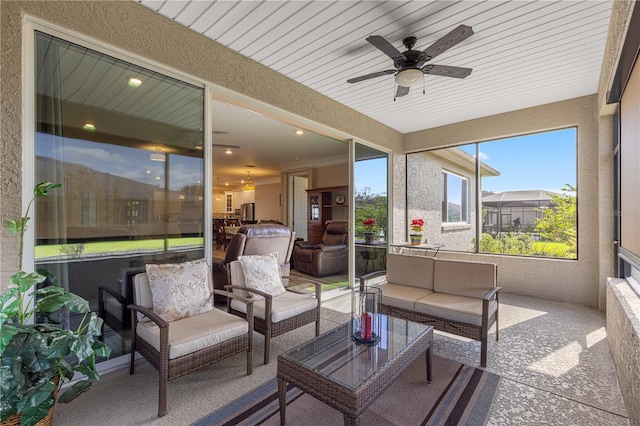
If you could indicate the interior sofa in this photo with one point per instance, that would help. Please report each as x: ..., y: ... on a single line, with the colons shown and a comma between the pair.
x: 454, y: 296
x: 331, y: 256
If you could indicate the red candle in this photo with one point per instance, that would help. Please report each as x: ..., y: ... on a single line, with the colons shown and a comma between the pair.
x: 365, y: 326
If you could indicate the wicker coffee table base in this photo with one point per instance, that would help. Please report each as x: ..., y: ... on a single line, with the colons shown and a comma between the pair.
x: 352, y: 403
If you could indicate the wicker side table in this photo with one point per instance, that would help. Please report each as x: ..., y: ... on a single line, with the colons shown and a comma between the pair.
x: 350, y: 377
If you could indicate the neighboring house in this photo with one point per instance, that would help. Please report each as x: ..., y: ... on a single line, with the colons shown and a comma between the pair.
x: 442, y: 193
x: 514, y: 211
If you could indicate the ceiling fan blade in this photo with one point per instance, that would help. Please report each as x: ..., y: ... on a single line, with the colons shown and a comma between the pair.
x: 387, y: 48
x: 372, y: 75
x: 447, y: 71
x: 401, y: 91
x: 462, y: 32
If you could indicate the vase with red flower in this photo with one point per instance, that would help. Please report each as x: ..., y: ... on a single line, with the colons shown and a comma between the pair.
x: 416, y: 231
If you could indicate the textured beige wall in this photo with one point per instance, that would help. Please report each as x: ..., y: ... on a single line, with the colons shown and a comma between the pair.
x: 563, y: 280
x: 129, y: 26
x: 268, y: 202
x: 623, y: 330
x: 622, y: 304
x: 336, y: 175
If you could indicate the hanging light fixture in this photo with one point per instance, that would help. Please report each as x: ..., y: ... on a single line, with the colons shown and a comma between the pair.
x: 248, y: 185
x: 158, y: 155
x: 219, y: 191
x: 408, y: 77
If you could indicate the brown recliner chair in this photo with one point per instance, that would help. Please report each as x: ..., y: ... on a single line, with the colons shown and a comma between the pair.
x: 256, y: 239
x: 326, y: 258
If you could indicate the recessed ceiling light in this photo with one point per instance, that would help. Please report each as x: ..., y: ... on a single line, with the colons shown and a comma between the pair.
x: 89, y: 126
x: 299, y: 132
x: 135, y: 82
x: 228, y: 151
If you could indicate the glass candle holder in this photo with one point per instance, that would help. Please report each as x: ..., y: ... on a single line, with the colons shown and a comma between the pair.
x: 365, y: 308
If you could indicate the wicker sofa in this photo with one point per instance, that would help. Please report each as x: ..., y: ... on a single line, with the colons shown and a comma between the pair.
x: 453, y: 296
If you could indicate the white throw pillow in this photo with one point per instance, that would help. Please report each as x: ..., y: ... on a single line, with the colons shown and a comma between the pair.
x: 180, y: 290
x: 262, y: 272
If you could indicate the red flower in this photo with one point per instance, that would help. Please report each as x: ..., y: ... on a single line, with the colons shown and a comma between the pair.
x: 369, y: 224
x: 417, y: 224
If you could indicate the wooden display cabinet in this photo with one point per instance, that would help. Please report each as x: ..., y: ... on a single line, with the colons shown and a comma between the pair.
x: 325, y: 204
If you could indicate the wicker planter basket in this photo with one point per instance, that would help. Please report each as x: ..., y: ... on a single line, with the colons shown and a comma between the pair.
x: 47, y: 420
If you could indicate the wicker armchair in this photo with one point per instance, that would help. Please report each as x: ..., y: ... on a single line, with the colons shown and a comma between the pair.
x: 274, y: 316
x: 179, y: 347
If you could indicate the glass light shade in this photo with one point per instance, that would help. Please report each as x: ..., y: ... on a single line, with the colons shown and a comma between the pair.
x: 408, y: 78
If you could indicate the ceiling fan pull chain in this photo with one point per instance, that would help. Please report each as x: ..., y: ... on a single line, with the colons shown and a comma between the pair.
x: 394, y: 91
x: 423, y: 91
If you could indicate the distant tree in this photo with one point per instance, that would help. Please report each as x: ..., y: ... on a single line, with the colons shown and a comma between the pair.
x: 370, y: 205
x: 559, y: 223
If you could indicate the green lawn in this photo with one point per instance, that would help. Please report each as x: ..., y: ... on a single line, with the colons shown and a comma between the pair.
x: 552, y: 249
x: 105, y: 247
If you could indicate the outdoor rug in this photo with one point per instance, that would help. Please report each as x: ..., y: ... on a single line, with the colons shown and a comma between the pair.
x: 458, y: 395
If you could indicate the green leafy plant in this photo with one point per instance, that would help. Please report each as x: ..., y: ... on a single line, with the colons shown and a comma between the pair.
x: 36, y: 358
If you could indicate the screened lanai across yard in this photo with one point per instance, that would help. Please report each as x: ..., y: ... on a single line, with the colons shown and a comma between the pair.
x: 515, y: 211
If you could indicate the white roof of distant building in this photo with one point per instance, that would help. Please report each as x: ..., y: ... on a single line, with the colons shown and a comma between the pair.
x: 523, y: 195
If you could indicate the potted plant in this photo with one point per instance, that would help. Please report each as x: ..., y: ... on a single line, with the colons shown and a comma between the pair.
x: 36, y: 358
x: 416, y: 231
x: 369, y: 230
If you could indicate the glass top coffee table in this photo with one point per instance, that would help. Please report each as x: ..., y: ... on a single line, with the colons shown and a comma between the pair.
x: 349, y: 376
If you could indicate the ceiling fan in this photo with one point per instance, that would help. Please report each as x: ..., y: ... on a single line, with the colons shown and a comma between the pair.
x: 411, y: 65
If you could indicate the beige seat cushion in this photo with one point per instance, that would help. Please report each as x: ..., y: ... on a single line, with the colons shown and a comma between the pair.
x: 285, y: 306
x: 194, y: 333
x: 454, y: 308
x: 401, y: 296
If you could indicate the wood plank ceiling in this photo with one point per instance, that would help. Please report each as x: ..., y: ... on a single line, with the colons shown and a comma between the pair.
x: 523, y: 53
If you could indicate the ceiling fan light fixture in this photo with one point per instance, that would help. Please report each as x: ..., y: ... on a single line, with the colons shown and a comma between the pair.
x: 409, y: 77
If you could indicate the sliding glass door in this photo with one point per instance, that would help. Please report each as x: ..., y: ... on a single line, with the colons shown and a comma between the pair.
x: 371, y: 227
x: 126, y: 143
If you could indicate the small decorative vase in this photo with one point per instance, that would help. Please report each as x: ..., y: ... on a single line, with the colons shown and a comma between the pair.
x: 369, y: 237
x: 415, y: 239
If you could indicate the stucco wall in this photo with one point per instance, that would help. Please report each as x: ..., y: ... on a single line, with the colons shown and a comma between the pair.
x: 562, y: 280
x: 138, y: 30
x: 623, y: 336
x: 424, y: 201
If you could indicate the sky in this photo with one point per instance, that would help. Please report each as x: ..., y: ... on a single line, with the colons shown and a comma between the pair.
x: 545, y: 161
x: 538, y: 161
x: 371, y: 174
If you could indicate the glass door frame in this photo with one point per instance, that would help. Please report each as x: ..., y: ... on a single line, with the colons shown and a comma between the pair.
x: 352, y: 202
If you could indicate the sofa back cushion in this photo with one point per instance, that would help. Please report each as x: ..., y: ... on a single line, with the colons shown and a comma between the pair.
x: 462, y: 278
x: 415, y: 271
